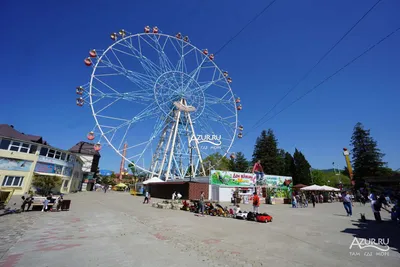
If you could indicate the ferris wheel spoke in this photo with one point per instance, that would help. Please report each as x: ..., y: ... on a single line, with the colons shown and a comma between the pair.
x: 119, y: 61
x: 151, y: 69
x: 164, y: 59
x: 156, y: 132
x: 128, y: 128
x: 143, y: 81
x: 148, y: 65
x: 213, y: 116
x: 207, y: 85
x: 141, y: 95
x: 197, y: 70
x: 149, y: 112
x: 111, y: 118
x: 131, y: 96
x: 213, y: 100
x: 107, y: 106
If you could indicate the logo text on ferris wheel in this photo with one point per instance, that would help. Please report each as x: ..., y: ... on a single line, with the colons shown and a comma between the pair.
x: 212, y: 139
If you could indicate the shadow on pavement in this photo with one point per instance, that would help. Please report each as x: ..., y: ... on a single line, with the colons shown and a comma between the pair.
x: 341, y: 215
x: 372, y: 229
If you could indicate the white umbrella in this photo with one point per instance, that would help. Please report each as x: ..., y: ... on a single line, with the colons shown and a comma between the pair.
x: 330, y: 188
x: 313, y: 187
x: 153, y: 180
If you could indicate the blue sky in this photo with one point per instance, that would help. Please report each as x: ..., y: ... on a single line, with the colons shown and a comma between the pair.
x: 44, y: 43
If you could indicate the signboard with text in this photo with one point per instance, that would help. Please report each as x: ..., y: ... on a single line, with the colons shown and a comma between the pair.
x: 232, y: 179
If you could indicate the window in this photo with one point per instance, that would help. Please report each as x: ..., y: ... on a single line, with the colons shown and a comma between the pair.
x: 68, y: 157
x: 24, y: 148
x: 33, y: 149
x: 13, y: 181
x: 63, y: 156
x: 43, y: 151
x: 5, y: 143
x: 58, y: 155
x: 66, y: 182
x: 51, y: 153
x: 15, y: 146
x: 18, y: 146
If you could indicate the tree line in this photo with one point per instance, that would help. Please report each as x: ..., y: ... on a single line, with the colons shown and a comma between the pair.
x: 274, y: 160
x: 366, y: 158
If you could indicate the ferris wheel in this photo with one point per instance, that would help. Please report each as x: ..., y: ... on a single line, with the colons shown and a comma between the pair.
x: 160, y: 102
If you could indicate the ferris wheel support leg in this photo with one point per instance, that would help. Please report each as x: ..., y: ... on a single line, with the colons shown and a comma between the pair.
x: 196, y: 142
x: 171, y: 154
x: 157, y: 154
x: 166, y: 151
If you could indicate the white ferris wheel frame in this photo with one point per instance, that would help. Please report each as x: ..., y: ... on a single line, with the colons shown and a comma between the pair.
x: 98, y: 126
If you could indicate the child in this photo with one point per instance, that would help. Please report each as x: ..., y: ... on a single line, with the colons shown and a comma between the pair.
x: 236, y: 209
x: 45, y: 203
x: 294, y: 202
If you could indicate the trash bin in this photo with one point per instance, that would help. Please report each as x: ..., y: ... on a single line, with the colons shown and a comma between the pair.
x: 65, y: 204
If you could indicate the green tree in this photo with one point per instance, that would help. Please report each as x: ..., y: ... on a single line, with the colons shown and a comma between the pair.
x: 242, y: 164
x: 232, y: 165
x: 367, y: 158
x: 329, y: 178
x: 318, y: 177
x: 216, y: 161
x: 259, y: 152
x: 266, y: 150
x: 289, y: 166
x: 132, y: 167
x: 46, y: 183
x: 281, y: 162
x: 302, y: 167
x: 239, y: 163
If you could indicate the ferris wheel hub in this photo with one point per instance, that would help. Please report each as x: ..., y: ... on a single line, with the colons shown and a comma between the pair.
x: 173, y: 86
x: 183, y: 107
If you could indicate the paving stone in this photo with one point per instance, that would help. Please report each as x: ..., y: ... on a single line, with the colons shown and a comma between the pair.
x: 116, y: 229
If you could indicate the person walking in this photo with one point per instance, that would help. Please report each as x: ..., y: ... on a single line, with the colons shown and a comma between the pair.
x: 235, y: 197
x: 376, y: 206
x: 258, y: 170
x: 201, y: 203
x: 256, y: 202
x: 347, y: 204
x: 146, y: 197
x: 313, y: 199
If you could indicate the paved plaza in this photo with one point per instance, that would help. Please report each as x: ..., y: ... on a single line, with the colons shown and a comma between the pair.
x: 116, y: 229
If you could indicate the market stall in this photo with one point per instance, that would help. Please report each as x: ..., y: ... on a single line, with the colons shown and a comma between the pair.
x: 223, y: 184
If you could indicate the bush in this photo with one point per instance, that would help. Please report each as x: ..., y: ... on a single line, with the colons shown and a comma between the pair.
x: 45, y: 183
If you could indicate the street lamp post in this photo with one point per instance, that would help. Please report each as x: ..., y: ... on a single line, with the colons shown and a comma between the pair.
x: 191, y: 163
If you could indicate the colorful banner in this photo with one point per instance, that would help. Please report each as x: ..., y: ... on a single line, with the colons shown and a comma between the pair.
x: 48, y: 168
x: 279, y: 186
x: 232, y: 179
x: 15, y: 165
x: 55, y: 161
x: 276, y: 181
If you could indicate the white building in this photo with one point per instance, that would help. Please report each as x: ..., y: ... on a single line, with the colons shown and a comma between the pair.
x: 90, y: 158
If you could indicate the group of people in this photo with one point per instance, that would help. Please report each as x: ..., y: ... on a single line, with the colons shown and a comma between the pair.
x: 176, y: 196
x: 57, y: 202
x: 27, y: 201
